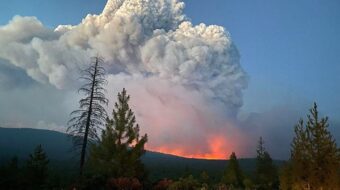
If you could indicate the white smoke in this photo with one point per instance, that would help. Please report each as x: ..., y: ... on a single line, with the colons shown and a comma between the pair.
x: 149, y: 38
x: 141, y: 40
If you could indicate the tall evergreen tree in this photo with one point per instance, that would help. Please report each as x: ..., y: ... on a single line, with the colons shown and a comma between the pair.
x: 119, y: 152
x: 37, y: 169
x: 233, y: 176
x: 91, y: 115
x: 286, y: 181
x: 266, y: 177
x: 301, y: 160
x: 314, y: 156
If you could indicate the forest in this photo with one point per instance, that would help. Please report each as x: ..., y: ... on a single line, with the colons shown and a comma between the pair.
x: 109, y: 150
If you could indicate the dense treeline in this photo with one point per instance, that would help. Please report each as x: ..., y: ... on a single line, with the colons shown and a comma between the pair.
x: 113, y: 161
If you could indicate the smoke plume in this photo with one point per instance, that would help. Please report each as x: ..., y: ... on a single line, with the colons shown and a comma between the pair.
x: 185, y: 80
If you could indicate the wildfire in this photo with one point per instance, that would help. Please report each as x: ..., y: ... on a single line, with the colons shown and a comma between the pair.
x: 218, y: 149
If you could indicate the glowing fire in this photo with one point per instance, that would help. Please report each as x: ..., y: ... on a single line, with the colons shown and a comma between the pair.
x: 218, y: 149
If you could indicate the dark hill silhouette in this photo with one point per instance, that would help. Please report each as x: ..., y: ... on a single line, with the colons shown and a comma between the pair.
x: 58, y: 146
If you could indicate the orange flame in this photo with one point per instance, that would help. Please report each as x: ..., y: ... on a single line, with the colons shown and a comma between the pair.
x: 218, y: 149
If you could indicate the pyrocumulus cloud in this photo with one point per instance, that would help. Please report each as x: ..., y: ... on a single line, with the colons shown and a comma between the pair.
x: 185, y: 80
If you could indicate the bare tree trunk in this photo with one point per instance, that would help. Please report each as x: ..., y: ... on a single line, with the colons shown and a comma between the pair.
x: 83, y: 150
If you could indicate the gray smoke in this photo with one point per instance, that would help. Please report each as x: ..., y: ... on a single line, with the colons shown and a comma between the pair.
x: 137, y: 37
x: 183, y: 78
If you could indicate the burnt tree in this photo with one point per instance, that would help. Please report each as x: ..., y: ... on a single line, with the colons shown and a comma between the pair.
x: 91, y: 115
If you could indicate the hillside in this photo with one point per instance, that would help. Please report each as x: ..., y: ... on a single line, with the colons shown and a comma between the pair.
x: 21, y: 142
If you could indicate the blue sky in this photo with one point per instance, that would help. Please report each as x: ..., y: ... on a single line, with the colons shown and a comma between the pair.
x: 290, y: 49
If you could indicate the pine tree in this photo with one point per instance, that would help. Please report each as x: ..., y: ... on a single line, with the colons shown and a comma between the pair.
x: 37, y: 168
x: 233, y: 176
x: 266, y: 176
x: 260, y: 148
x: 301, y: 160
x: 119, y: 152
x: 315, y: 157
x: 91, y: 115
x: 286, y: 181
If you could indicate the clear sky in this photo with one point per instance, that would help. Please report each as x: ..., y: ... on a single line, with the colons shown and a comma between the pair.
x: 290, y: 49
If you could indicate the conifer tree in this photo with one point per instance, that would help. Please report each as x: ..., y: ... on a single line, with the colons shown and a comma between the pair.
x: 301, y: 160
x: 233, y: 176
x: 37, y: 168
x: 286, y: 181
x: 91, y: 115
x: 119, y: 152
x: 266, y: 177
x: 315, y: 158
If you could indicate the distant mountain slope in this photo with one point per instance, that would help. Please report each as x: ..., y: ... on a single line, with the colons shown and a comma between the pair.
x: 21, y: 142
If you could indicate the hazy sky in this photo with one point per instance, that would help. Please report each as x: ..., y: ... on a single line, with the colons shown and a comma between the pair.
x: 290, y: 50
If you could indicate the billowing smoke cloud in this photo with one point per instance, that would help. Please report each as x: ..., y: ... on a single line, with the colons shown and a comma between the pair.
x: 186, y: 81
x: 148, y: 38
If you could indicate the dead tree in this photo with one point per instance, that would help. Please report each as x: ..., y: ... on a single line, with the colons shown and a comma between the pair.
x: 91, y: 115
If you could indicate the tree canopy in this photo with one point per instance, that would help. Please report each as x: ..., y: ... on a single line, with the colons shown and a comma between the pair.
x: 315, y: 158
x: 266, y: 176
x: 233, y: 176
x: 118, y: 154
